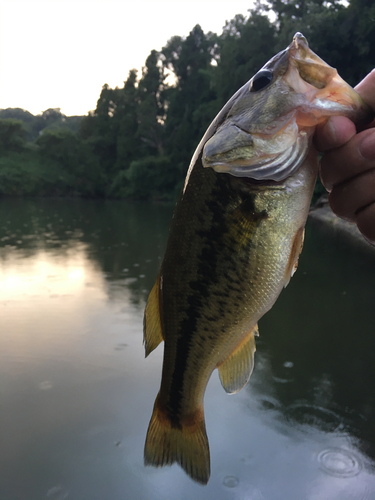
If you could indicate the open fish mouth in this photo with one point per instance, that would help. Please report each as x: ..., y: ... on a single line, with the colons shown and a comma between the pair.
x: 268, y: 124
x: 327, y: 92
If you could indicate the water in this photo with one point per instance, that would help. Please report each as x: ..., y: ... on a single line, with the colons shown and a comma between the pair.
x: 77, y: 393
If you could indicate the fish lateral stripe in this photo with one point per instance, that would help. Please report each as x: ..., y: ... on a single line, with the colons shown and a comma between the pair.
x: 207, y: 273
x: 186, y: 445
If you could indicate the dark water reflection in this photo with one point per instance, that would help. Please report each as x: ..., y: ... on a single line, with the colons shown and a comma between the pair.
x: 76, y: 392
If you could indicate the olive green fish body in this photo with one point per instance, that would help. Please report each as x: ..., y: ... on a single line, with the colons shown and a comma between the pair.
x: 224, y: 267
x: 234, y: 242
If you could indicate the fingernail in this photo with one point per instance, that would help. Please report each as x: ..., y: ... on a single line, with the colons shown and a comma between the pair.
x: 367, y: 146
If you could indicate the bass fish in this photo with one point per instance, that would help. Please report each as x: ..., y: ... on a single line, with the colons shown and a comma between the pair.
x: 234, y: 242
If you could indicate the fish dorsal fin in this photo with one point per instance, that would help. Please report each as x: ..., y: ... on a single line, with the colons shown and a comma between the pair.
x: 235, y: 372
x: 152, y: 323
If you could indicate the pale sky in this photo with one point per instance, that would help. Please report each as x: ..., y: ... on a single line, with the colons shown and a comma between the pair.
x: 59, y: 53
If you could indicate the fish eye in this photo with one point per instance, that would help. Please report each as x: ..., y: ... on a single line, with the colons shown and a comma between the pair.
x: 261, y: 80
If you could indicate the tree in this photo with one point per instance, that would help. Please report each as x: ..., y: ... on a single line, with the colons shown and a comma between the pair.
x: 245, y: 46
x: 190, y: 61
x: 139, y: 140
x: 79, y: 169
x: 12, y: 136
x: 341, y: 35
x: 126, y: 116
x: 151, y: 110
x: 17, y: 114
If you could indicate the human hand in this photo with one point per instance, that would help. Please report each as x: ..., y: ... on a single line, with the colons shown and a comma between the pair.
x: 347, y: 168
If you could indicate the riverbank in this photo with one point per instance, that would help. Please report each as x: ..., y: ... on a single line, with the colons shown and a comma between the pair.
x: 321, y: 212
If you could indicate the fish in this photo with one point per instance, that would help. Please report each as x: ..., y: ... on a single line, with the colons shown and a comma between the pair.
x: 234, y: 242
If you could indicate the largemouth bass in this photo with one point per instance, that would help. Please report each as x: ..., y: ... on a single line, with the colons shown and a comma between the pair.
x: 234, y: 241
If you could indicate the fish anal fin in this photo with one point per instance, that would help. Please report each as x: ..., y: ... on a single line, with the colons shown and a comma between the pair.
x: 235, y: 371
x: 185, y: 443
x: 152, y: 321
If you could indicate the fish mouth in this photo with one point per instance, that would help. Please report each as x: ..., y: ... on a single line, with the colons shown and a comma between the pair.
x: 272, y: 160
x: 327, y: 93
x: 264, y: 131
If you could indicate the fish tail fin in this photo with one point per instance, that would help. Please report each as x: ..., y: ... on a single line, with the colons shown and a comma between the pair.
x: 185, y: 443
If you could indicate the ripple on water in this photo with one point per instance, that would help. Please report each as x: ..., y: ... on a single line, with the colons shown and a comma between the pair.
x: 313, y: 416
x: 230, y: 481
x: 288, y: 364
x: 339, y: 462
x: 280, y: 380
x: 120, y: 347
x: 45, y: 385
x: 269, y: 403
x: 57, y: 493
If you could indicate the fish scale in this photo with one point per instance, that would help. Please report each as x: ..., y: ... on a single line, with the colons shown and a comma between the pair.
x: 234, y: 242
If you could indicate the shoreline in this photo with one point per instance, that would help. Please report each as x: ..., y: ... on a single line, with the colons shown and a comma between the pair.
x: 321, y: 212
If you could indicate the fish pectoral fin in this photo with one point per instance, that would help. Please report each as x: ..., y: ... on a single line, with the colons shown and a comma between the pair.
x: 152, y: 322
x: 235, y: 372
x: 295, y: 252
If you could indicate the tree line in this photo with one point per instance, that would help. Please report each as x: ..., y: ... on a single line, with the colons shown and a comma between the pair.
x: 138, y: 141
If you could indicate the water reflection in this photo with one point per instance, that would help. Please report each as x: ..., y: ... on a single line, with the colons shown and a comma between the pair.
x: 324, y: 326
x: 77, y: 393
x: 124, y: 239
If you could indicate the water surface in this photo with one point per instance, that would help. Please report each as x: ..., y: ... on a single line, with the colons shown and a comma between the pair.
x: 77, y: 393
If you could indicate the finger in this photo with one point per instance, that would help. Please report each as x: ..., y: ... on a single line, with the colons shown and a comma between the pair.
x: 355, y: 157
x: 366, y: 89
x: 338, y: 129
x: 349, y: 198
x: 334, y: 133
x: 366, y: 222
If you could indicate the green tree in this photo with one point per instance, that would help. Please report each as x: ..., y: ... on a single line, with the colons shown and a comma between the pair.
x: 12, y: 135
x: 49, y: 119
x: 139, y: 140
x: 151, y: 110
x: 104, y: 140
x: 126, y: 116
x: 341, y: 35
x: 193, y: 97
x: 79, y: 170
x: 141, y: 135
x: 24, y: 116
x: 245, y: 46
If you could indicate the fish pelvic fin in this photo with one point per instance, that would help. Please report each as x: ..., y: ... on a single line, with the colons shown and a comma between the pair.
x: 235, y: 372
x: 185, y: 443
x: 152, y: 322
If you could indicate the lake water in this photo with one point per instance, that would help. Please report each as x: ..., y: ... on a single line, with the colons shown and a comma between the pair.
x: 77, y: 393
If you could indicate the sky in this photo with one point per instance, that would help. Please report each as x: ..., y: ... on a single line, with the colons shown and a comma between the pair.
x: 59, y: 53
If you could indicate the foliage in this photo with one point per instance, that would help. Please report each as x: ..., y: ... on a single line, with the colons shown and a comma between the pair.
x: 80, y: 172
x: 34, y: 125
x: 20, y: 174
x: 245, y: 45
x: 151, y: 173
x: 138, y: 141
x: 12, y: 136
